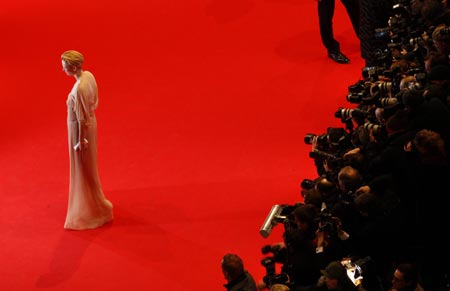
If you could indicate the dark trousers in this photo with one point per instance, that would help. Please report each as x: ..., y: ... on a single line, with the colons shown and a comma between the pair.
x: 373, y: 14
x: 326, y: 13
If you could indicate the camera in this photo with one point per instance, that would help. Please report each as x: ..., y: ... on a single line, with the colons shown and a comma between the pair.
x: 307, y: 184
x: 357, y: 91
x: 385, y: 87
x: 279, y: 253
x: 359, y: 270
x: 371, y: 73
x: 271, y: 276
x: 388, y: 101
x: 358, y: 87
x: 375, y: 128
x: 345, y: 113
x: 321, y: 155
x: 382, y: 32
x: 322, y: 140
x: 326, y: 222
x: 278, y: 214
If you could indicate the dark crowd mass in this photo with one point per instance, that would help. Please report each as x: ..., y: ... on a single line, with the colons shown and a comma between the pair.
x: 375, y: 217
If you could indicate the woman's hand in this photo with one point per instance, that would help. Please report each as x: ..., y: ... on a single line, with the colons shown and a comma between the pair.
x: 81, y: 145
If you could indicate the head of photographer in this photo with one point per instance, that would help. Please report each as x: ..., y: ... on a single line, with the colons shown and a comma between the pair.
x: 238, y: 279
x: 335, y: 277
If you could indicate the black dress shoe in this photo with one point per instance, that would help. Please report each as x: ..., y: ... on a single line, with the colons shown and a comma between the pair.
x: 338, y: 57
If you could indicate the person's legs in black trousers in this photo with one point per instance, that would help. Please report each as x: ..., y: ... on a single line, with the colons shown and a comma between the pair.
x: 352, y: 8
x: 326, y: 14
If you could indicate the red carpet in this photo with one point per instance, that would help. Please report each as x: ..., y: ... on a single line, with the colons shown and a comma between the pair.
x: 203, y: 109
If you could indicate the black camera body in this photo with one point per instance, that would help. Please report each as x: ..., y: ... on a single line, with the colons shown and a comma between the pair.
x: 322, y: 140
x: 307, y: 184
x: 326, y: 222
x: 321, y: 155
x: 279, y: 254
x: 346, y: 113
x: 271, y: 276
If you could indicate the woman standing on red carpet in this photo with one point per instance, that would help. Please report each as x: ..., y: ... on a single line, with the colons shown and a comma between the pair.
x: 87, y: 207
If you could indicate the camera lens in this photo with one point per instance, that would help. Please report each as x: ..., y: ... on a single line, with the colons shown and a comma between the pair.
x: 266, y: 249
x: 308, y: 139
x: 307, y: 184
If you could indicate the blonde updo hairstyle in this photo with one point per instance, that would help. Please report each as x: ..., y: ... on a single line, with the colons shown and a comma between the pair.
x: 74, y: 59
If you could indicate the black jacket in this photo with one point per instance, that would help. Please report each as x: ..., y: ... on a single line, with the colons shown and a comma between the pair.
x: 245, y: 282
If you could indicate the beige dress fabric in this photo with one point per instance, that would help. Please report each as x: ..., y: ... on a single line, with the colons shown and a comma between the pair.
x: 87, y: 206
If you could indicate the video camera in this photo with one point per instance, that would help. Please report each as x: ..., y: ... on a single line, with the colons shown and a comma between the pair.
x: 278, y: 214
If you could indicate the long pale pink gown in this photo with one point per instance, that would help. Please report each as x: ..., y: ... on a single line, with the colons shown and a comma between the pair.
x: 87, y: 206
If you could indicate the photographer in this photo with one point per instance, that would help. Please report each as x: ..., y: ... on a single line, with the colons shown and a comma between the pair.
x: 433, y: 12
x: 441, y: 39
x: 373, y: 14
x: 327, y: 150
x: 299, y: 246
x: 237, y: 277
x: 439, y: 85
x: 343, y: 206
x: 377, y: 235
x: 332, y: 240
x: 406, y: 278
x: 431, y: 171
x: 334, y: 277
x: 428, y: 113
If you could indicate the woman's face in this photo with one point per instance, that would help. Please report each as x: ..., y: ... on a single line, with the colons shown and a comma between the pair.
x: 68, y: 69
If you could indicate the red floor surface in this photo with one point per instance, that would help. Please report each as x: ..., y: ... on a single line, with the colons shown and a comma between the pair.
x: 203, y: 109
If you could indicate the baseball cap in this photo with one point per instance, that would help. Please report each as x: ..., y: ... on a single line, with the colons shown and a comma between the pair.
x: 334, y: 270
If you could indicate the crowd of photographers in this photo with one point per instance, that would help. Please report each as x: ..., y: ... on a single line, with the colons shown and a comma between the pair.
x: 377, y: 201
